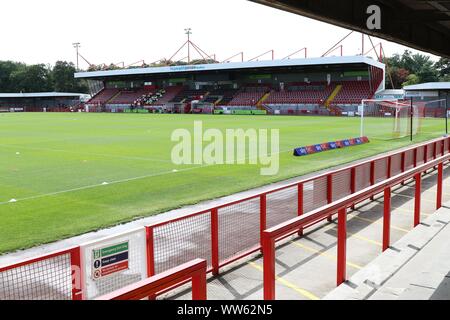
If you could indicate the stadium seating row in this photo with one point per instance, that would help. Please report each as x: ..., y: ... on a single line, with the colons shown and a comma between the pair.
x: 316, y: 93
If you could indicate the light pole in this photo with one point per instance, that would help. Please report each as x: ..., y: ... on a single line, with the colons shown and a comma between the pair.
x: 77, y: 45
x: 189, y: 32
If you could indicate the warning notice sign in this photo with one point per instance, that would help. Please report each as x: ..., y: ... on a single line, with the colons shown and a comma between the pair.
x: 110, y: 260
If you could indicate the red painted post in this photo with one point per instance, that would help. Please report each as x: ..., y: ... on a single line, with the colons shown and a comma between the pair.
x: 403, y: 165
x: 269, y: 267
x: 150, y: 252
x: 425, y: 154
x: 415, y: 157
x: 389, y: 167
x: 387, y: 219
x: 263, y: 216
x: 77, y: 274
x: 372, y: 176
x: 342, y: 247
x: 417, y: 200
x: 215, y: 241
x: 300, y: 208
x: 353, y: 183
x: 199, y: 286
x: 440, y: 178
x: 330, y: 193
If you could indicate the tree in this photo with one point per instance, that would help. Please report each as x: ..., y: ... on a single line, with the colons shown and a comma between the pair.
x: 6, y: 69
x: 34, y: 78
x: 443, y: 69
x: 411, y: 80
x: 412, y: 68
x: 63, y: 79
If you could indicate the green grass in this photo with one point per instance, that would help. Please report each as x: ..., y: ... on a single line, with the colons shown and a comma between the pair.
x: 48, y: 161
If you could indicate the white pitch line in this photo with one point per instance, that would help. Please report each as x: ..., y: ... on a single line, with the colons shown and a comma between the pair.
x: 120, y: 181
x: 85, y: 153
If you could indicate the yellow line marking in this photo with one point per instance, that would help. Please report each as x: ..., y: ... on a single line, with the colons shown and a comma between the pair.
x: 409, y: 197
x: 409, y: 211
x: 357, y: 236
x: 303, y: 292
x: 433, y: 190
x: 324, y: 254
x: 378, y: 222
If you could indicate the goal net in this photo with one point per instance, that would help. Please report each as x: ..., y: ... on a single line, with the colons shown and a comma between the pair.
x: 390, y: 119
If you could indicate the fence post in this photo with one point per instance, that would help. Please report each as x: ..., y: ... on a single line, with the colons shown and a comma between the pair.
x: 417, y: 199
x: 387, y: 219
x: 77, y: 274
x: 415, y: 157
x: 425, y: 154
x: 269, y: 267
x: 300, y: 208
x: 342, y: 246
x: 353, y: 183
x: 215, y: 241
x: 389, y: 167
x: 440, y: 177
x: 263, y: 216
x: 372, y: 176
x: 330, y: 193
x: 150, y: 251
x: 403, y: 165
x: 199, y: 286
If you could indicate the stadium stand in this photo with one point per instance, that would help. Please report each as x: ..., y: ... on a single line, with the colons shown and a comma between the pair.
x: 221, y: 96
x: 249, y: 96
x: 104, y: 96
x: 129, y: 96
x: 169, y: 94
x: 188, y: 95
x: 353, y: 92
x: 302, y: 93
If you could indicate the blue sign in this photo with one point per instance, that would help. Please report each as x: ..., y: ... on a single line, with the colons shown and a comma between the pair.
x: 300, y: 152
x: 332, y: 145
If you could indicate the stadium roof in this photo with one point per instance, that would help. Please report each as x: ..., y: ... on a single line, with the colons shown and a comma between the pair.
x: 233, y: 66
x: 420, y: 24
x: 41, y: 95
x: 429, y: 86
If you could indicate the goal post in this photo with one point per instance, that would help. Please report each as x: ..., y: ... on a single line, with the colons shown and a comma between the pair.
x: 390, y: 119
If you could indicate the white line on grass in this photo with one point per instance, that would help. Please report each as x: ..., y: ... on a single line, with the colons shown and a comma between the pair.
x: 84, y: 153
x: 120, y: 181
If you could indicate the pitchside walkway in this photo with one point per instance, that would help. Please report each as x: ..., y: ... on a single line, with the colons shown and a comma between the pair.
x: 416, y: 268
x: 306, y: 267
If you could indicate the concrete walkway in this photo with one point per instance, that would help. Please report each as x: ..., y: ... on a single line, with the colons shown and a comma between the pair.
x: 306, y: 266
x: 416, y: 268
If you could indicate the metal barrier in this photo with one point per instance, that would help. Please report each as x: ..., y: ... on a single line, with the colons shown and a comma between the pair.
x: 220, y: 235
x: 341, y: 206
x: 55, y: 276
x: 229, y: 232
x: 194, y: 271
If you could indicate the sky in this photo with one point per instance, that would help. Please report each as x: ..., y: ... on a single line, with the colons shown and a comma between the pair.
x: 117, y: 31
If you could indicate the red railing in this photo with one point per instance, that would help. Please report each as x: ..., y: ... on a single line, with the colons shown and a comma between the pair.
x: 61, y: 271
x: 194, y: 271
x: 272, y: 235
x: 229, y: 232
x: 216, y: 244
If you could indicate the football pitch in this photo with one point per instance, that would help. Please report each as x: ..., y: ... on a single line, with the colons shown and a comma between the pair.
x: 64, y: 174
